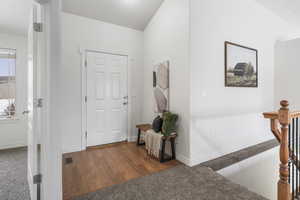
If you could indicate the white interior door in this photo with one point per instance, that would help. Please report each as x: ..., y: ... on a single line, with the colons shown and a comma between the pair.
x: 107, y: 98
x: 34, y: 91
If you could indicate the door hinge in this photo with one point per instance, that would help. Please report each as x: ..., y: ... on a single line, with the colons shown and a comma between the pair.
x: 39, y: 102
x: 85, y: 99
x: 37, y: 179
x: 38, y: 27
x: 85, y: 134
x: 85, y: 63
x: 39, y: 147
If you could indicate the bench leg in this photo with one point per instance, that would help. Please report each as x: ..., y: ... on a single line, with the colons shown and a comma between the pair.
x: 163, y: 156
x: 173, y: 148
x: 139, y: 138
x: 162, y: 152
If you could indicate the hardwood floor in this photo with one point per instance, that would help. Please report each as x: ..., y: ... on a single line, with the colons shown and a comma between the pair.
x: 98, y: 168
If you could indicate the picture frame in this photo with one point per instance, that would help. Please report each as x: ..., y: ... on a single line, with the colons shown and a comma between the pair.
x: 161, y: 86
x: 241, y: 66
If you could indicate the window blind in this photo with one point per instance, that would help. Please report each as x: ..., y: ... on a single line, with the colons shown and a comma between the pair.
x: 7, y: 82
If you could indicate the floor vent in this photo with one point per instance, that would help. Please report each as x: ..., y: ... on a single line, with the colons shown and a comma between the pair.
x: 68, y: 160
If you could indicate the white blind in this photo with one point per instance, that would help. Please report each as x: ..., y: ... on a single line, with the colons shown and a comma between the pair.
x: 8, y: 53
x: 7, y: 73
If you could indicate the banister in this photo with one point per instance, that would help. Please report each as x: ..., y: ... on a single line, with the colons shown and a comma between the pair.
x: 295, y: 114
x: 283, y: 183
x: 271, y: 115
x: 285, y: 127
x: 274, y: 115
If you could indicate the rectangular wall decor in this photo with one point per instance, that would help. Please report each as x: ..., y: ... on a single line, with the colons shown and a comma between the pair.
x: 161, y: 87
x: 241, y: 66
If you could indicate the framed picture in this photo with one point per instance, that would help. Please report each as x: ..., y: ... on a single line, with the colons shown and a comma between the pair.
x: 241, y: 66
x: 161, y: 87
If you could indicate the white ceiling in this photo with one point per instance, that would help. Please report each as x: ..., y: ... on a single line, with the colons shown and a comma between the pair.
x: 130, y: 13
x: 14, y: 16
x: 289, y: 10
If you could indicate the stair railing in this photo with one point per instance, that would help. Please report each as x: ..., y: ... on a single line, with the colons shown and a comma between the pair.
x: 285, y: 127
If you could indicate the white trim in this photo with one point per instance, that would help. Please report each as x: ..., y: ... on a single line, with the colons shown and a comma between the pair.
x: 71, y: 149
x: 83, y: 52
x: 21, y: 143
x: 39, y: 57
x: 10, y: 120
x: 83, y: 104
x: 132, y: 139
x: 183, y: 159
x: 52, y: 170
x: 29, y: 178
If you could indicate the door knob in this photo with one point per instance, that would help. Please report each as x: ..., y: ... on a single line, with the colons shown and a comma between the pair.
x: 25, y: 112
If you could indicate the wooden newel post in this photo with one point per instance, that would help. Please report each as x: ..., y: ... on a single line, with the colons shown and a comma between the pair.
x: 283, y: 183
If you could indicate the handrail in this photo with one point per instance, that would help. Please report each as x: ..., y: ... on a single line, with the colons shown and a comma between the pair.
x: 274, y: 115
x: 271, y: 115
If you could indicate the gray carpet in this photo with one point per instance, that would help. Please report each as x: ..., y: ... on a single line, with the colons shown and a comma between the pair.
x: 13, y: 175
x: 179, y: 183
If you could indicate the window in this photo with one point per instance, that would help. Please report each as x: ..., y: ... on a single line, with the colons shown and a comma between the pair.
x: 7, y: 83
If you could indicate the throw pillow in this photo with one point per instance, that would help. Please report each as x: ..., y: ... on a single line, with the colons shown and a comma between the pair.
x: 157, y: 124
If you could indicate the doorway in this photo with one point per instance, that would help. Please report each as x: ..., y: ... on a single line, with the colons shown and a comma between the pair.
x: 106, y: 99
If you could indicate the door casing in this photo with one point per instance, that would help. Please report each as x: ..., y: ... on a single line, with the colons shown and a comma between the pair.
x: 39, y: 89
x: 84, y: 94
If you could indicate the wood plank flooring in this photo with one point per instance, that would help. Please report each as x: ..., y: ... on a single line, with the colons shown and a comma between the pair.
x: 98, y: 168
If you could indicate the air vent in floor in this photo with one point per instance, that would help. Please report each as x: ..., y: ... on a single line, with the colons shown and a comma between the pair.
x: 68, y: 160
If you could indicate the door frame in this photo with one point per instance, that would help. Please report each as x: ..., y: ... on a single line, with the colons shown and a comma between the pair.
x: 39, y: 121
x: 83, y: 52
x: 51, y: 136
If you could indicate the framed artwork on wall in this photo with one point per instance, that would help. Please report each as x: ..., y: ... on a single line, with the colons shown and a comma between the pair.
x: 241, y: 66
x: 161, y: 87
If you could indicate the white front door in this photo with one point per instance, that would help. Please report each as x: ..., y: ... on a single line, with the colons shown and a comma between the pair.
x: 107, y: 98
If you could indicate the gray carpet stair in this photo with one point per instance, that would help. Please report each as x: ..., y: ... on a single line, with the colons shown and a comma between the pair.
x: 179, y: 183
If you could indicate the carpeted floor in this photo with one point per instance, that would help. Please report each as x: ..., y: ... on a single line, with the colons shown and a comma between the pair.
x: 178, y: 183
x: 13, y: 175
x: 183, y: 183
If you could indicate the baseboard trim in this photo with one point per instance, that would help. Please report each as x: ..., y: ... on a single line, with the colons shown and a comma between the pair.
x: 132, y: 139
x: 13, y: 145
x: 185, y: 160
x: 71, y: 149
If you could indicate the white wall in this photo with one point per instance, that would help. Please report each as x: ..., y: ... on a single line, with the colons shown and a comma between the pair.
x: 246, y: 23
x: 80, y: 32
x: 287, y: 72
x: 249, y: 173
x: 13, y: 133
x: 167, y: 38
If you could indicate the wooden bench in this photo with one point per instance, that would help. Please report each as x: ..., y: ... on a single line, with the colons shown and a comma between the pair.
x: 163, y: 156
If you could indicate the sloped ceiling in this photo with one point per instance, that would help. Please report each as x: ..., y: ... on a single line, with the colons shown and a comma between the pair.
x: 289, y: 10
x: 129, y: 13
